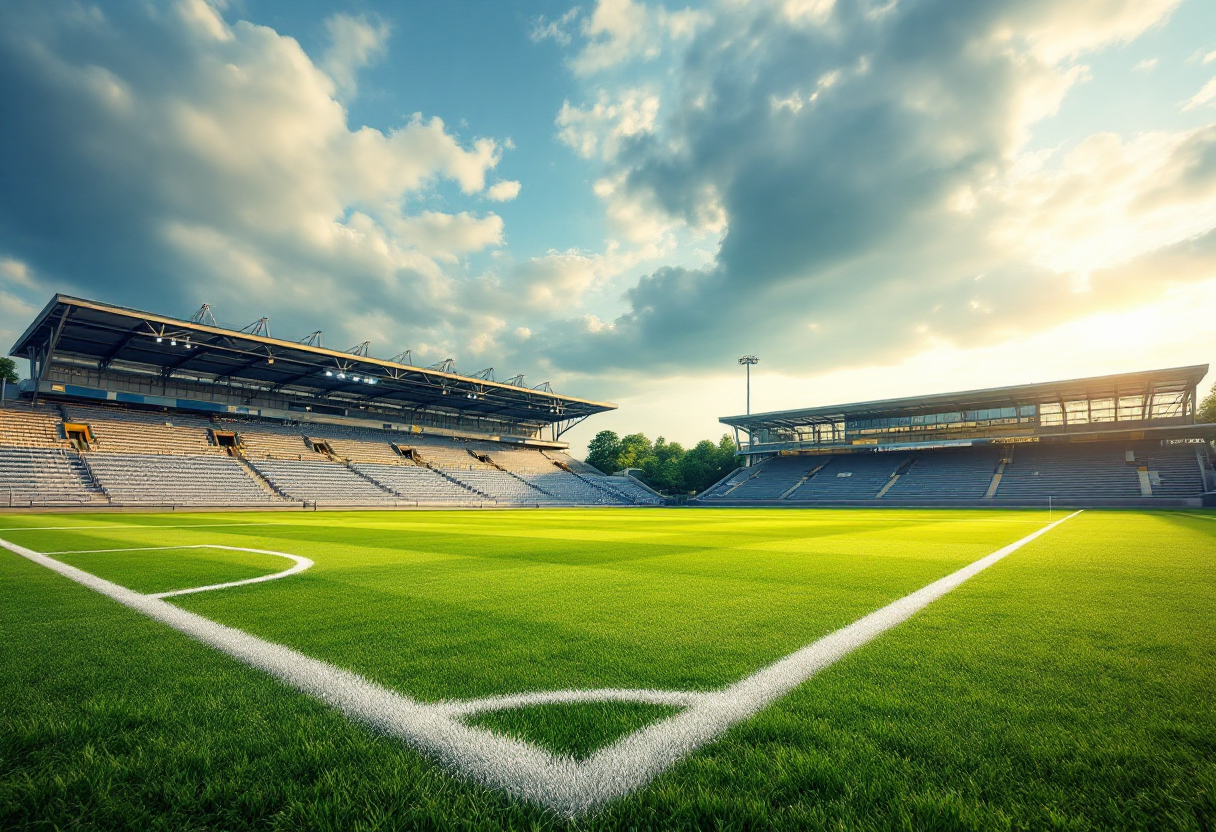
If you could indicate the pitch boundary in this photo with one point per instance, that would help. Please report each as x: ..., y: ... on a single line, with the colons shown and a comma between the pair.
x: 563, y: 784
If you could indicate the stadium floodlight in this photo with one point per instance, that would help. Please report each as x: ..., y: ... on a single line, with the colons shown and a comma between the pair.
x: 173, y: 342
x: 329, y: 373
x: 747, y: 361
x: 342, y: 375
x: 159, y: 339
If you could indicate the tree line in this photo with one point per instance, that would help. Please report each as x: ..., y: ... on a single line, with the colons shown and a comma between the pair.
x: 665, y: 466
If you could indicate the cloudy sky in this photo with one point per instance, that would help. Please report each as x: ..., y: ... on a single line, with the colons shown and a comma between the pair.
x: 876, y: 197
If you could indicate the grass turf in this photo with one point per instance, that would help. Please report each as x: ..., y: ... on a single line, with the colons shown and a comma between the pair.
x: 577, y: 729
x: 163, y: 570
x: 1069, y: 686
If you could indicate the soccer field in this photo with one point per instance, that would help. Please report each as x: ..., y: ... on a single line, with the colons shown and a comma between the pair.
x: 1067, y: 685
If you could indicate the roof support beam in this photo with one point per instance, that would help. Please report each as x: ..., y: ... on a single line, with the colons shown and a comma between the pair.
x: 49, y: 351
x: 110, y: 355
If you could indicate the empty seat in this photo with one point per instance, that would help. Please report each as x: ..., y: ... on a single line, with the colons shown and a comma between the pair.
x: 948, y: 473
x: 322, y: 482
x: 162, y: 479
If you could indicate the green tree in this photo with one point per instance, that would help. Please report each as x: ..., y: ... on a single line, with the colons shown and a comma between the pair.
x: 604, y: 451
x: 662, y: 468
x: 706, y: 463
x: 635, y: 450
x: 1207, y: 409
x: 8, y: 370
x: 665, y: 466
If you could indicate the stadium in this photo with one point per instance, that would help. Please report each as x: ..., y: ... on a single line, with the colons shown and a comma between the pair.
x: 129, y: 409
x: 807, y: 422
x: 595, y: 655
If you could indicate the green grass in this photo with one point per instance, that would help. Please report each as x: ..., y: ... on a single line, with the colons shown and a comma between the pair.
x: 163, y: 570
x: 1070, y: 686
x: 577, y: 729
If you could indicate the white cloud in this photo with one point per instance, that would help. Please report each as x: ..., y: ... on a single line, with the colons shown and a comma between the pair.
x: 354, y: 43
x: 16, y: 272
x: 503, y: 191
x: 1208, y: 58
x: 204, y: 18
x: 445, y: 236
x: 1108, y: 201
x: 220, y: 161
x: 557, y: 30
x: 600, y: 129
x: 1061, y: 31
x: 1203, y: 98
x: 622, y: 30
x: 759, y: 141
x: 1147, y: 65
x: 557, y: 281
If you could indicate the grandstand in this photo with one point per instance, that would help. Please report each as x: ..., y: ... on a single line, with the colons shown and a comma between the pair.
x: 132, y: 409
x: 129, y: 408
x: 1120, y: 440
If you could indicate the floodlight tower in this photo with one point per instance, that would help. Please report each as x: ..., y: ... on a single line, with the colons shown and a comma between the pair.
x: 747, y: 361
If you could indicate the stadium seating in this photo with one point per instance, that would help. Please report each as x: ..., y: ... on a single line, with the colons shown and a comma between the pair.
x: 33, y: 476
x: 773, y: 479
x: 144, y: 457
x: 163, y: 479
x: 22, y: 426
x: 850, y: 477
x: 322, y: 482
x: 568, y: 488
x: 720, y: 489
x: 628, y: 489
x: 523, y: 461
x: 268, y: 441
x: 1068, y: 471
x: 360, y: 450
x: 118, y: 430
x: 1173, y: 471
x: 502, y: 486
x: 418, y: 484
x: 948, y: 473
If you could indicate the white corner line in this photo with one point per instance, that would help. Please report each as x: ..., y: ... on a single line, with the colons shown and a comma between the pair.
x: 470, y: 707
x: 568, y: 787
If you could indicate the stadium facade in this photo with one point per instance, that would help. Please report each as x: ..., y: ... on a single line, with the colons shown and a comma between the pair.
x: 131, y: 408
x: 1117, y: 440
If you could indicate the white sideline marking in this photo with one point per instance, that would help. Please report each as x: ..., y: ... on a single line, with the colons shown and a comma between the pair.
x: 567, y: 786
x: 300, y: 565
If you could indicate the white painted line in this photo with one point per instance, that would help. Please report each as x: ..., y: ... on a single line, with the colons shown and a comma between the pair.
x: 566, y: 786
x: 300, y: 565
x: 468, y: 707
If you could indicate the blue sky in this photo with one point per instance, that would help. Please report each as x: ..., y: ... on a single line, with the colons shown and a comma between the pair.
x: 878, y: 197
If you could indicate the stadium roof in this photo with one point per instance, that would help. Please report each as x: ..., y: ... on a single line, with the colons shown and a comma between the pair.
x: 1174, y: 380
x: 106, y: 334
